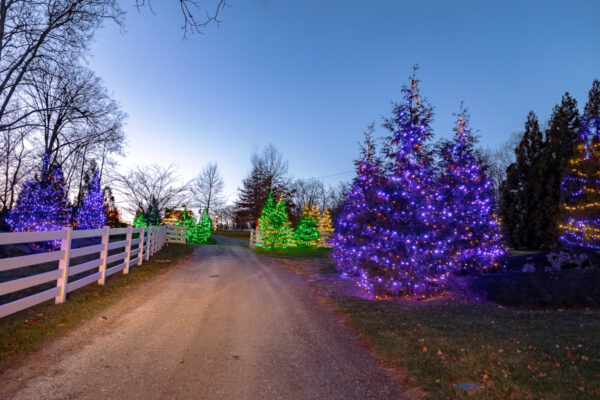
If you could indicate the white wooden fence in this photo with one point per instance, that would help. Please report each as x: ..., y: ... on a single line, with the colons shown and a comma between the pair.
x: 256, y: 239
x: 124, y: 253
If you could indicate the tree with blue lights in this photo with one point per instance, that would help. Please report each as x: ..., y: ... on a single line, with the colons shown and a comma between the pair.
x: 469, y: 225
x: 357, y: 223
x: 42, y: 204
x: 92, y: 213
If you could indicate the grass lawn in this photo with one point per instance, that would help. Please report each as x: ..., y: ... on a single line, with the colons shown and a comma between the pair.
x: 29, y: 329
x: 510, y: 354
x: 245, y: 235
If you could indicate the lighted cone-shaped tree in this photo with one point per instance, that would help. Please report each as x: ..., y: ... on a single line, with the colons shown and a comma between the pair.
x: 186, y: 219
x: 408, y: 256
x: 42, y: 204
x: 306, y: 233
x: 274, y: 224
x: 92, y: 213
x: 325, y: 227
x: 203, y: 230
x: 140, y: 219
x: 356, y: 225
x: 581, y: 191
x: 153, y: 212
x: 468, y: 221
x: 113, y: 219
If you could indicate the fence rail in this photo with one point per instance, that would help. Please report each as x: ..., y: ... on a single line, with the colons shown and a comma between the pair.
x: 257, y: 241
x: 124, y: 253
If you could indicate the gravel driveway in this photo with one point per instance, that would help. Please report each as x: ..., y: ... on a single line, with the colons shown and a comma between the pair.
x: 225, y: 325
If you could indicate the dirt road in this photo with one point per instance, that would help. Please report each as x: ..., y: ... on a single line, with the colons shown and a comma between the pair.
x: 226, y: 325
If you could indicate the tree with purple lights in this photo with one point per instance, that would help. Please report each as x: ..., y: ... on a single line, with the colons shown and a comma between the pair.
x: 92, y: 213
x: 468, y: 221
x: 581, y: 191
x: 357, y: 224
x: 409, y: 250
x: 42, y: 204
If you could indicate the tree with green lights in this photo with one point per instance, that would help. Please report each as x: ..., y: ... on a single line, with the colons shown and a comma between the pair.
x: 306, y: 232
x: 140, y: 219
x: 274, y: 224
x: 186, y: 219
x: 202, y: 231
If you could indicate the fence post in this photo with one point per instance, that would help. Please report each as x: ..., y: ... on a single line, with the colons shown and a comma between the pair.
x: 149, y: 243
x: 103, y: 255
x: 63, y: 266
x: 141, y: 254
x: 128, y: 249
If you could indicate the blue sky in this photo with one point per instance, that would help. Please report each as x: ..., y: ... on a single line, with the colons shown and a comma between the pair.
x: 309, y: 76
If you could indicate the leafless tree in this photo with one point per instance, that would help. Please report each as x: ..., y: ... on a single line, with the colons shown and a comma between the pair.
x: 497, y: 160
x: 308, y: 191
x: 79, y: 123
x: 268, y: 172
x: 54, y: 31
x: 195, y: 17
x: 207, y: 189
x: 140, y: 185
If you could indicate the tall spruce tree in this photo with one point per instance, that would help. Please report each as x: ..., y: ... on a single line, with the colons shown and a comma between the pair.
x: 580, y: 227
x: 561, y: 136
x: 357, y: 223
x: 469, y: 224
x: 522, y: 190
x: 409, y: 252
x: 92, y: 213
x: 42, y: 204
x: 591, y: 110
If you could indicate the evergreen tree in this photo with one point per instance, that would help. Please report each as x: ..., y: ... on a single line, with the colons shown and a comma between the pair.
x: 469, y: 224
x: 42, y: 204
x: 558, y: 149
x: 113, y: 219
x: 203, y: 230
x: 186, y: 219
x: 581, y: 190
x: 408, y: 252
x: 522, y: 190
x: 92, y: 214
x: 274, y: 224
x: 306, y: 233
x: 356, y: 223
x: 591, y: 111
x: 140, y: 219
x: 152, y: 214
x: 325, y: 227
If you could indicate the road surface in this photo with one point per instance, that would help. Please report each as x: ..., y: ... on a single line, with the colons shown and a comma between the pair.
x: 225, y: 325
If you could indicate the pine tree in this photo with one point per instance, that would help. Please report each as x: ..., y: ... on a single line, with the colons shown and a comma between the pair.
x: 469, y: 224
x: 581, y: 190
x: 113, y: 219
x: 522, y: 190
x: 42, y: 204
x: 274, y: 224
x: 409, y: 254
x: 203, y: 230
x: 306, y: 233
x: 325, y: 227
x: 558, y: 149
x: 140, y: 219
x: 186, y: 219
x: 152, y: 214
x: 591, y: 111
x: 356, y: 227
x: 92, y: 214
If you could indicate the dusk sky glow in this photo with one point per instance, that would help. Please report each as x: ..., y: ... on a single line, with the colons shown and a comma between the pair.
x: 309, y: 76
